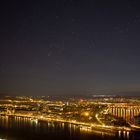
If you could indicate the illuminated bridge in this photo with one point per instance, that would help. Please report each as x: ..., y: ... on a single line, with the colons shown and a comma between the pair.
x: 125, y: 111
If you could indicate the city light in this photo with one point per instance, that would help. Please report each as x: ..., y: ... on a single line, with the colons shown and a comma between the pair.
x: 86, y: 114
x: 90, y: 114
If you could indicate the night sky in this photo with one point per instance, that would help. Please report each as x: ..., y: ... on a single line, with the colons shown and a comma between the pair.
x: 70, y: 47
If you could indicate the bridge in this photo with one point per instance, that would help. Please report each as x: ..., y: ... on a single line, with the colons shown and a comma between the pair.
x: 126, y: 111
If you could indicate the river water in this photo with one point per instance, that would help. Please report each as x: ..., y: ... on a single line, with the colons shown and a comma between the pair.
x: 19, y: 128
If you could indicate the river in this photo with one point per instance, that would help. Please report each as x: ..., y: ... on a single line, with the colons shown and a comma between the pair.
x: 20, y: 128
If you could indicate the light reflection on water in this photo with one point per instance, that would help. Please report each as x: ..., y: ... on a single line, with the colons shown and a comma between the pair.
x: 17, y: 128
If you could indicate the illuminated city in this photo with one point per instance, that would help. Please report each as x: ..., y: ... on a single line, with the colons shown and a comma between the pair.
x: 96, y: 114
x: 70, y: 70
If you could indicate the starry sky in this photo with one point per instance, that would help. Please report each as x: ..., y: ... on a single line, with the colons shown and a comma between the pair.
x: 70, y: 47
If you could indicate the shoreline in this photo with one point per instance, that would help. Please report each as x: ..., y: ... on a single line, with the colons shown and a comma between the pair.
x: 82, y: 125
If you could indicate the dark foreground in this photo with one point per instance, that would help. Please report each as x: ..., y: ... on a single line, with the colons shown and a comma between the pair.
x: 25, y: 129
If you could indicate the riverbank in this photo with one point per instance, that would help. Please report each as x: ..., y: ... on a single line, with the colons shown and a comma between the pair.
x: 82, y: 125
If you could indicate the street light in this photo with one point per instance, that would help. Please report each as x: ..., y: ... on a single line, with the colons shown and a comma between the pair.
x: 86, y: 114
